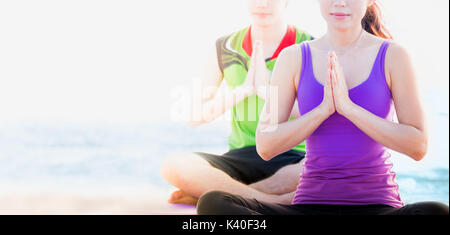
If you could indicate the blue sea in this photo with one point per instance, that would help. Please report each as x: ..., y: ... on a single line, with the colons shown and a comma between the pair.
x: 81, y: 157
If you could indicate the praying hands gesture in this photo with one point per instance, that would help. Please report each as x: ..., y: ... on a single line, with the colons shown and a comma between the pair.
x: 336, y: 98
x: 258, y: 75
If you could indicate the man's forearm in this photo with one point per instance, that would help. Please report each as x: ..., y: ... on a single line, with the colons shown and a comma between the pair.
x: 221, y: 103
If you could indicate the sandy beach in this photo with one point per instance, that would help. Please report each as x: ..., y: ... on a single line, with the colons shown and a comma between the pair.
x: 132, y: 202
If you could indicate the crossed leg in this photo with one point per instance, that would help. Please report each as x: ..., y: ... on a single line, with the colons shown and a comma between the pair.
x: 194, y: 176
x: 282, y: 182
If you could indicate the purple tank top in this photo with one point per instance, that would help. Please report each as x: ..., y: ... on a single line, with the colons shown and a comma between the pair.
x: 344, y: 166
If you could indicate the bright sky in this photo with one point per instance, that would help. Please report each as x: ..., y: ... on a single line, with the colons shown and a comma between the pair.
x: 117, y: 60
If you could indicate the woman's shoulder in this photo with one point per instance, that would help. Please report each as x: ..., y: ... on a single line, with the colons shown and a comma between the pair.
x: 290, y: 59
x: 295, y: 51
x: 397, y: 51
x: 398, y: 61
x: 394, y: 48
x: 291, y: 53
x: 397, y: 55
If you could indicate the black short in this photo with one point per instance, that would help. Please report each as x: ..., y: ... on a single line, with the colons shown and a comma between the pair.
x: 246, y: 166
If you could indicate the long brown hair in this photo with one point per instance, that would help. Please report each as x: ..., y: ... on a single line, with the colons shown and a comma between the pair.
x: 373, y: 22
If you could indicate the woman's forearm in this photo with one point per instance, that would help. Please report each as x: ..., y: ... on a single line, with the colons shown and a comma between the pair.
x: 210, y: 110
x: 274, y: 139
x: 402, y: 138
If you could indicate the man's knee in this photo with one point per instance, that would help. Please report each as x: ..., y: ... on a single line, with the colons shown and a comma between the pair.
x: 169, y: 167
x: 174, y: 166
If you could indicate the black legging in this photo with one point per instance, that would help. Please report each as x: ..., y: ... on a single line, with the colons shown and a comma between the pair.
x: 222, y: 203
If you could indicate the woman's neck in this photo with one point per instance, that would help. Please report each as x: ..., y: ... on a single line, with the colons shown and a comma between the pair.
x: 344, y: 39
x: 269, y: 34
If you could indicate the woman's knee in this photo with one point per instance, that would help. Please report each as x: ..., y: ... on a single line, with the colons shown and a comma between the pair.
x: 436, y: 208
x: 429, y: 208
x: 212, y: 203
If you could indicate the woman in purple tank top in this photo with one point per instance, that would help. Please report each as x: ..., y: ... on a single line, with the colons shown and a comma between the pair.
x: 347, y: 84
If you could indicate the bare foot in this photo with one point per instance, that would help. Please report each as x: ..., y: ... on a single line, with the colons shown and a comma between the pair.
x: 181, y: 197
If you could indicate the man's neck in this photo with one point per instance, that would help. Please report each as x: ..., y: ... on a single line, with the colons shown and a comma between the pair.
x: 269, y: 34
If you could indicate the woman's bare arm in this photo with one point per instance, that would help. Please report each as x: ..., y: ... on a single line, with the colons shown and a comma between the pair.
x: 409, y: 136
x: 275, y: 133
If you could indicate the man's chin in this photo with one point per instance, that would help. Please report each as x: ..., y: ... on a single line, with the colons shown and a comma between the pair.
x: 263, y: 23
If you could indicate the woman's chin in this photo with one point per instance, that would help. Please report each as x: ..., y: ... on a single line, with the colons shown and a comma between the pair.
x: 341, y: 26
